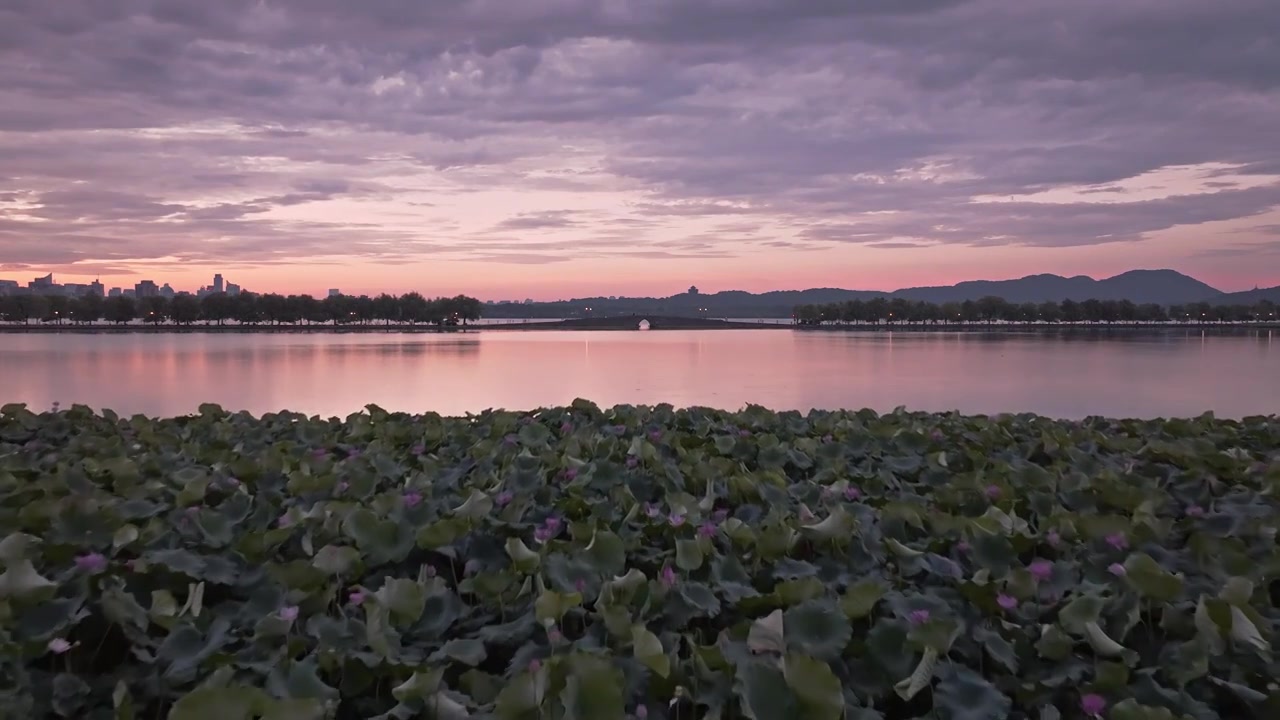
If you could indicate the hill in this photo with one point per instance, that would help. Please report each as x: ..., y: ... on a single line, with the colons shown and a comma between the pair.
x: 1250, y: 297
x: 1163, y: 287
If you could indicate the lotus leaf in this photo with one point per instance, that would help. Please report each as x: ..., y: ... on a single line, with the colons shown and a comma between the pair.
x: 585, y: 562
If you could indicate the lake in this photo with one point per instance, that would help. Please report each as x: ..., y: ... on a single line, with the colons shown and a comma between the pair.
x: 1174, y: 373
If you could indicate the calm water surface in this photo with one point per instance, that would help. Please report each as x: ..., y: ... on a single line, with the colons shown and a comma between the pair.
x: 1175, y: 374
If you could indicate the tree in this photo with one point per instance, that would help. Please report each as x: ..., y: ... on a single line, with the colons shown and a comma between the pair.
x: 119, y: 310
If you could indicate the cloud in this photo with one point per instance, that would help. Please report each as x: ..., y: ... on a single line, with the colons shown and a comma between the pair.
x: 256, y: 132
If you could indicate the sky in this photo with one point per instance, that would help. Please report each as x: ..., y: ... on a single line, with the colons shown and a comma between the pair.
x: 559, y: 148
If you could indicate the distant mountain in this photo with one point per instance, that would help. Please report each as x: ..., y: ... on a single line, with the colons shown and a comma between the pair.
x: 1249, y: 297
x: 1163, y: 287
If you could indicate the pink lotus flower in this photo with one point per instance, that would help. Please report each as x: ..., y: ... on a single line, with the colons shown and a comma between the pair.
x: 1008, y: 602
x: 430, y: 570
x: 852, y: 493
x: 1118, y: 541
x: 320, y: 453
x: 806, y: 515
x: 642, y: 712
x: 992, y: 492
x: 918, y: 617
x: 191, y: 511
x: 92, y: 563
x: 356, y: 598
x: 554, y: 635
x: 289, y: 612
x: 1093, y: 705
x: 284, y: 521
x: 1117, y: 569
x: 707, y: 530
x: 719, y: 516
x: 668, y: 576
x: 542, y: 534
x: 676, y: 519
x: 580, y: 586
x: 342, y: 486
x: 1053, y: 538
x: 552, y: 523
x: 744, y: 433
x: 57, y: 646
x: 936, y: 435
x: 535, y: 665
x: 1041, y: 569
x: 504, y: 498
x: 827, y: 439
x: 571, y: 474
x: 233, y: 482
x: 412, y: 499
x: 511, y: 439
x: 418, y: 449
x: 632, y: 461
x: 655, y: 435
x: 652, y: 510
x: 1195, y: 511
x: 964, y: 546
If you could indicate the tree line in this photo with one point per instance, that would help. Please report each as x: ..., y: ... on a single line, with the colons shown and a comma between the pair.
x: 244, y: 308
x: 993, y: 309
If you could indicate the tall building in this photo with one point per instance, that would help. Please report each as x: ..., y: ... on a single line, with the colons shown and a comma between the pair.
x: 8, y: 287
x: 166, y: 291
x: 97, y: 289
x: 335, y: 292
x: 42, y: 284
x: 146, y: 288
x: 115, y: 292
x: 217, y: 283
x: 233, y: 289
x: 129, y: 292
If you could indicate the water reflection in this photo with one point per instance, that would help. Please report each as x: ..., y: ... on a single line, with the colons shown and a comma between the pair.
x: 1060, y: 374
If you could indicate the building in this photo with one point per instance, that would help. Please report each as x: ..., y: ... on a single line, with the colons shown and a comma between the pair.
x: 233, y: 289
x: 166, y: 291
x: 43, y: 285
x: 128, y: 292
x: 9, y: 287
x: 145, y: 289
x: 335, y: 292
x: 217, y: 283
x: 96, y: 289
x: 115, y: 292
x: 74, y: 289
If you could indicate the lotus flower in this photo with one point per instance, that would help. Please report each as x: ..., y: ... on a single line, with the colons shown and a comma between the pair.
x: 412, y: 499
x: 652, y: 510
x: 580, y: 586
x: 936, y: 435
x: 1117, y: 569
x: 1195, y: 511
x: 1008, y: 602
x: 655, y: 435
x: 852, y: 493
x: 342, y: 486
x: 552, y: 523
x: 632, y: 461
x: 535, y: 665
x: 57, y: 646
x: 511, y: 439
x: 964, y: 546
x: 289, y: 612
x: 554, y: 635
x: 707, y: 529
x: 719, y: 516
x: 92, y: 563
x: 1040, y: 569
x: 828, y: 439
x: 1118, y: 541
x: 668, y: 576
x: 992, y: 492
x: 1053, y: 538
x: 1093, y: 705
x: 744, y: 433
x: 542, y: 534
x: 918, y: 617
x: 504, y: 498
x: 571, y: 474
x: 642, y: 712
x: 676, y: 519
x: 284, y: 521
x: 356, y: 598
x: 430, y: 570
x: 418, y: 449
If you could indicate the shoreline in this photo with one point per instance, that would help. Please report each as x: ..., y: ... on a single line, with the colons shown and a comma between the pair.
x: 624, y: 325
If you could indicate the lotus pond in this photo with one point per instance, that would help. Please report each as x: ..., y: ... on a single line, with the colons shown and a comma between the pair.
x: 593, y: 564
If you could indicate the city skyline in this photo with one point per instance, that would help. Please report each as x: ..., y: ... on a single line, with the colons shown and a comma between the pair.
x: 577, y: 147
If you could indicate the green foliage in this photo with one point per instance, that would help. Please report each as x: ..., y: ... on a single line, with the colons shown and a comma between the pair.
x: 584, y: 562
